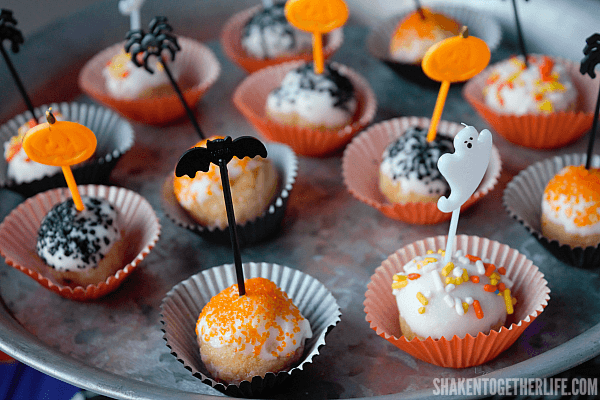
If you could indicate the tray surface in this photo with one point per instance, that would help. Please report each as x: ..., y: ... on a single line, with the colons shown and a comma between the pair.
x: 114, y: 346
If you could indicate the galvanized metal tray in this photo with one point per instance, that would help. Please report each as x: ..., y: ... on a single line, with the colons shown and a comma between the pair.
x: 114, y: 346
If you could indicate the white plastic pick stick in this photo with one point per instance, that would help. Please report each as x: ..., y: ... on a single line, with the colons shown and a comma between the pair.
x: 132, y: 8
x: 463, y: 170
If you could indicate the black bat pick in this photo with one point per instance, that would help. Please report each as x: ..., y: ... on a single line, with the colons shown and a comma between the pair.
x: 588, y: 65
x: 158, y: 39
x: 220, y: 152
x: 9, y: 31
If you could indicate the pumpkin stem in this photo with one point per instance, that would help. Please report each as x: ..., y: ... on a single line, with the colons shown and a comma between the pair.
x: 49, y: 117
x: 464, y: 32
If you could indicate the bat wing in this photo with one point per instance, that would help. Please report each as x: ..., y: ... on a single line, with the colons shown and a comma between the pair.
x: 248, y: 146
x: 193, y: 160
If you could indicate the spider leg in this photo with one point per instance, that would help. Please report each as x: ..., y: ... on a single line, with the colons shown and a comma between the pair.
x: 146, y: 66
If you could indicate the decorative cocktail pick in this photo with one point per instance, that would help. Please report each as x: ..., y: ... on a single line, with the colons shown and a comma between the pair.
x: 132, y: 8
x: 588, y: 64
x: 317, y: 17
x: 158, y: 39
x: 220, y: 152
x: 455, y: 59
x: 520, y: 32
x: 8, y: 31
x: 463, y: 170
x: 62, y: 144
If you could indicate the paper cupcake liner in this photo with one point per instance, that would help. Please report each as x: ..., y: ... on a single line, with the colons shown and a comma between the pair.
x: 530, y: 288
x: 182, y: 306
x: 523, y: 201
x: 541, y: 131
x: 231, y: 41
x: 114, y: 135
x: 200, y: 69
x: 480, y: 25
x: 264, y: 226
x: 19, y: 231
x: 251, y: 95
x: 360, y: 170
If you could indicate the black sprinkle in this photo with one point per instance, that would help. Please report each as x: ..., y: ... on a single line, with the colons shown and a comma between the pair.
x: 66, y: 229
x: 271, y: 17
x: 421, y: 156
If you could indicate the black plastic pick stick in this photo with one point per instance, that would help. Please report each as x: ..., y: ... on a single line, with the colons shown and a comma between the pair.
x: 220, y: 152
x: 520, y: 33
x: 158, y: 39
x: 419, y: 9
x: 8, y: 31
x: 588, y: 65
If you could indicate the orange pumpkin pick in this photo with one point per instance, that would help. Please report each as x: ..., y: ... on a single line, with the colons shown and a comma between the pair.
x: 62, y: 144
x: 455, y: 59
x: 317, y: 17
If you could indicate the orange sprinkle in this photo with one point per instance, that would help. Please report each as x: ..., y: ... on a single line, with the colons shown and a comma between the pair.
x: 478, y: 310
x: 412, y: 277
x: 501, y: 286
x: 489, y: 269
x: 502, y: 271
x: 489, y: 288
x: 472, y: 258
x: 474, y: 279
x: 264, y: 301
x: 546, y: 68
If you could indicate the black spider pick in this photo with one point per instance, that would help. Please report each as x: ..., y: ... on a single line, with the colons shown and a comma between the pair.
x: 158, y: 39
x: 9, y: 31
x: 520, y: 32
x: 588, y: 64
x: 220, y: 152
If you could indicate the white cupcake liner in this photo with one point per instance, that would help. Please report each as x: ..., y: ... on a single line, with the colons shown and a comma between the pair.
x: 19, y: 232
x: 360, y: 170
x: 285, y: 162
x: 183, y: 303
x: 114, y: 134
x: 480, y: 25
x: 530, y: 288
x: 523, y: 201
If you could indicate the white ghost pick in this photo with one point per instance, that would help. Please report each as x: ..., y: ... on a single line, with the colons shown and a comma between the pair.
x: 132, y: 8
x: 463, y: 170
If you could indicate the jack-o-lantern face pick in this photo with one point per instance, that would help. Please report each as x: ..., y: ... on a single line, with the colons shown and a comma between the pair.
x: 62, y: 143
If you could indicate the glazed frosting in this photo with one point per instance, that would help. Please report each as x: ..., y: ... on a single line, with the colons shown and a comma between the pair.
x: 465, y: 296
x: 412, y: 161
x: 414, y: 35
x: 325, y: 99
x: 20, y: 167
x: 572, y: 200
x: 545, y: 87
x: 71, y: 240
x: 125, y: 80
x: 268, y: 34
x: 264, y: 322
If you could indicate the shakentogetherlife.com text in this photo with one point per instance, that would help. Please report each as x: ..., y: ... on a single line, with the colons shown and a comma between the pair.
x: 515, y: 386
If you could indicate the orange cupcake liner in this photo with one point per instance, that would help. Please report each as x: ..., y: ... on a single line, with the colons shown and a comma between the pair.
x: 19, y: 231
x: 231, y: 41
x: 360, y: 170
x: 539, y: 131
x: 200, y: 71
x: 530, y: 288
x: 250, y: 98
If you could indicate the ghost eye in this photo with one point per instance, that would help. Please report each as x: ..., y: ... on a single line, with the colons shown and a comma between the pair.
x: 470, y: 138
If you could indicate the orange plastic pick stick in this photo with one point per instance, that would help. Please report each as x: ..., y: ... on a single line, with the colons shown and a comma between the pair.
x: 62, y: 144
x: 317, y: 17
x: 437, y: 111
x: 455, y: 59
x: 73, y: 187
x: 318, y: 52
